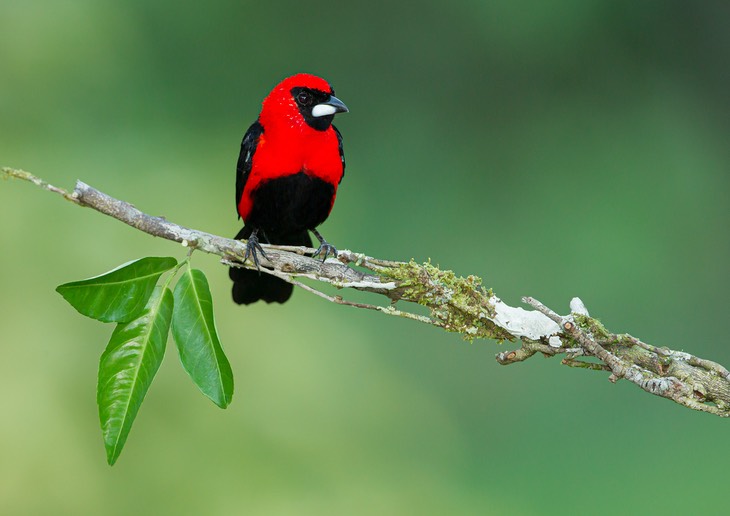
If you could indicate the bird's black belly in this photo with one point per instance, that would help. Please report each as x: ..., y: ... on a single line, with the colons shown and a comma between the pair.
x: 291, y: 203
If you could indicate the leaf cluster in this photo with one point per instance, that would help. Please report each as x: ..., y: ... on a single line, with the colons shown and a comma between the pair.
x: 145, y: 310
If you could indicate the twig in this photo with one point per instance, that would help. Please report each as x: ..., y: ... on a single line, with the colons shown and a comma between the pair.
x: 688, y: 387
x: 454, y: 303
x: 289, y: 278
x: 572, y: 362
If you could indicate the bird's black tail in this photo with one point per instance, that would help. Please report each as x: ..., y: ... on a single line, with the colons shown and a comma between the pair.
x: 249, y: 285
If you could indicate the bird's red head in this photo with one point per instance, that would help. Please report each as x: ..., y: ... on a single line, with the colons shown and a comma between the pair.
x: 298, y: 100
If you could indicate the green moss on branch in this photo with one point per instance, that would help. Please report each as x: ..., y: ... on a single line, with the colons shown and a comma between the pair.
x: 459, y: 304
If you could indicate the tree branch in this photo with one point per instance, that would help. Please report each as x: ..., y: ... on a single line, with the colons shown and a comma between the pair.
x: 455, y: 304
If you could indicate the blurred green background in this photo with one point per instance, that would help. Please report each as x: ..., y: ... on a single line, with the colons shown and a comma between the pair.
x: 577, y: 147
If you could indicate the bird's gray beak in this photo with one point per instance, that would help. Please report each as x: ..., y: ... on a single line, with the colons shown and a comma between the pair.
x: 332, y: 106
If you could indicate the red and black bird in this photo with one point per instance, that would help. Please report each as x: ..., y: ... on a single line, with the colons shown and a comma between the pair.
x: 290, y: 166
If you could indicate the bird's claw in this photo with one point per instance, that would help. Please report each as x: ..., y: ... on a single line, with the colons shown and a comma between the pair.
x: 324, y: 250
x: 253, y: 247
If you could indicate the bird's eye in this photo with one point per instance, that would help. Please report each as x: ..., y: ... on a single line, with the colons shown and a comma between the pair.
x: 304, y: 98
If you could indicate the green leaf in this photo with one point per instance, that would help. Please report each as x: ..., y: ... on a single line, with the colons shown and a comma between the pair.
x: 193, y: 329
x: 127, y: 367
x: 120, y: 294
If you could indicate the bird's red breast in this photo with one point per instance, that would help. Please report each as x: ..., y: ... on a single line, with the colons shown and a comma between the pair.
x: 288, y: 145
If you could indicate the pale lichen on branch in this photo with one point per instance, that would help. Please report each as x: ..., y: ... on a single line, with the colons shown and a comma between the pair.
x: 454, y: 303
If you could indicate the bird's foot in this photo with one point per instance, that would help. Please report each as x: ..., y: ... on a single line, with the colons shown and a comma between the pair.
x: 253, y: 247
x: 325, y: 248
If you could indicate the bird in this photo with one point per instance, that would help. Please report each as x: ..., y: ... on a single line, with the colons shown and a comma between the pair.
x: 289, y: 168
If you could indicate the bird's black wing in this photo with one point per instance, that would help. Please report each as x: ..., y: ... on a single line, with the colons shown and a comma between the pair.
x: 342, y: 151
x: 245, y: 158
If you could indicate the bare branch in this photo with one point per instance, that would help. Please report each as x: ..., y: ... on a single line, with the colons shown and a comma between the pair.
x: 455, y: 304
